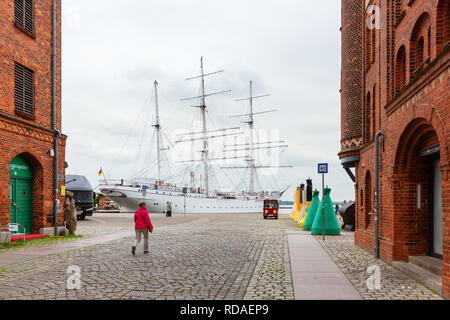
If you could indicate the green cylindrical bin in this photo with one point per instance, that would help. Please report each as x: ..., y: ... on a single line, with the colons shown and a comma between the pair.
x: 331, y: 223
x: 312, y: 211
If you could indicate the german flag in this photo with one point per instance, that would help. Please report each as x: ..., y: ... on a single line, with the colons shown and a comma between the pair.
x: 100, y: 172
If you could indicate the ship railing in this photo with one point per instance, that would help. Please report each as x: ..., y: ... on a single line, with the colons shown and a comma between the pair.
x: 119, y: 182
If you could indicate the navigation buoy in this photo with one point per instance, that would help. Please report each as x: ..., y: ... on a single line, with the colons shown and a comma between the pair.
x: 296, y: 201
x: 300, y: 203
x: 303, y: 211
x: 331, y: 223
x: 312, y: 211
x: 308, y: 201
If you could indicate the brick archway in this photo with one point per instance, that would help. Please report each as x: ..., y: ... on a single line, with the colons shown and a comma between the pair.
x: 412, y: 176
x: 429, y: 114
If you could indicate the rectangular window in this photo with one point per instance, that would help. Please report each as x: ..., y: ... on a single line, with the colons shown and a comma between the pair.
x: 23, y: 89
x: 24, y: 14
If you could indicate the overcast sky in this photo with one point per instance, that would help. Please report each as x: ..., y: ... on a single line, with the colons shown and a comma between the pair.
x: 113, y: 50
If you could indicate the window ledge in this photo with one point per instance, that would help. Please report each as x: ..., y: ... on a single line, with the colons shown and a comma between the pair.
x: 27, y: 32
x: 25, y: 115
x: 419, y: 68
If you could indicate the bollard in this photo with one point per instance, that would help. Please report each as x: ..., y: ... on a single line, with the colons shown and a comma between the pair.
x: 331, y: 224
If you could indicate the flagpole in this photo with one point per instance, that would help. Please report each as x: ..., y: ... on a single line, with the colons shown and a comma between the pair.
x: 103, y: 174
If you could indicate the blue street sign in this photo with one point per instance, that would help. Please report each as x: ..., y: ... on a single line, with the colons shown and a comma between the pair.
x: 144, y: 187
x: 322, y: 168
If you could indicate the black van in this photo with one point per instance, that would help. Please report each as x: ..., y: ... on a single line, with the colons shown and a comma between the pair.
x: 82, y: 193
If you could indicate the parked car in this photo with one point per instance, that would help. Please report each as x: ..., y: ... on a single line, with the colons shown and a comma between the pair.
x: 83, y: 194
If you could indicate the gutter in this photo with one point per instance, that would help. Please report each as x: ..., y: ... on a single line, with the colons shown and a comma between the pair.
x: 376, y: 197
x: 56, y: 204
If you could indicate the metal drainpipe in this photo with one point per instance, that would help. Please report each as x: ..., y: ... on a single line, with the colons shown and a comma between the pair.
x: 57, y: 132
x: 376, y: 198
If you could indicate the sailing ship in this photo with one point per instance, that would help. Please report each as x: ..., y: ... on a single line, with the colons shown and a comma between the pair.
x: 157, y: 192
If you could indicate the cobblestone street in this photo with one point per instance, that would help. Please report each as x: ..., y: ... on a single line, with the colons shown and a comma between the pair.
x: 198, y: 257
x: 208, y: 257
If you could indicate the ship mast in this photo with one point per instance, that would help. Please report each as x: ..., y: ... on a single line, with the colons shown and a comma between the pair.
x: 251, y: 151
x: 157, y: 126
x: 250, y: 147
x: 205, y: 133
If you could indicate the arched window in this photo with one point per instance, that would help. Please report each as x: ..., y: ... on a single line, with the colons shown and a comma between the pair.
x: 442, y: 25
x: 429, y: 42
x: 400, y: 69
x: 367, y: 198
x: 368, y: 48
x: 373, y: 47
x: 367, y: 118
x: 417, y: 44
x: 420, y: 52
x: 361, y: 209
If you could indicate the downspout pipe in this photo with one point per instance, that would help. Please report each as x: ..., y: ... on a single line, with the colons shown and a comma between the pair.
x: 56, y: 205
x: 376, y: 192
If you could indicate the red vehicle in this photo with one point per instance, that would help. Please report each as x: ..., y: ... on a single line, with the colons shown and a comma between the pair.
x: 271, y: 208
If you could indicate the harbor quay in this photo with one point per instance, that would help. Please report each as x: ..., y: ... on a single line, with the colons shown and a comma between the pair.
x: 201, y: 257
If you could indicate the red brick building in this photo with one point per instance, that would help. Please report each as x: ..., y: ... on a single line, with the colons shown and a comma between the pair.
x: 395, y: 81
x: 27, y: 135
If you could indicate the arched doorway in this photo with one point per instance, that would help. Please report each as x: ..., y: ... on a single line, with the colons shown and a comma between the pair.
x: 418, y: 192
x: 21, y: 193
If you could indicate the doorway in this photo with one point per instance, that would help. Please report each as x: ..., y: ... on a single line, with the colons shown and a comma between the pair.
x: 435, y: 240
x: 21, y: 194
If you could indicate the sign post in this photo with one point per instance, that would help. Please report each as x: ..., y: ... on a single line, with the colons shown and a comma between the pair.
x: 322, y: 169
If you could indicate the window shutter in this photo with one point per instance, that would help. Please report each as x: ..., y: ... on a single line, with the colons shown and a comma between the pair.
x: 24, y: 89
x: 18, y: 87
x: 24, y: 14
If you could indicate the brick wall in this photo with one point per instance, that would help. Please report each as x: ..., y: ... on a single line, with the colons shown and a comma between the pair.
x: 33, y: 138
x: 412, y: 116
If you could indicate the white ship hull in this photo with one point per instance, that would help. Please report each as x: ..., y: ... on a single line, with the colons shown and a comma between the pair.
x: 129, y: 198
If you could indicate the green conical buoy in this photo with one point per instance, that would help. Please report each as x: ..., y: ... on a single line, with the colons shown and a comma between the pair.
x: 312, y: 211
x: 331, y: 223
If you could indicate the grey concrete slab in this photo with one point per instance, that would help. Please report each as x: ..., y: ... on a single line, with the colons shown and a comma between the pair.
x: 333, y: 292
x: 315, y: 276
x: 307, y: 253
x: 311, y: 278
x: 321, y: 266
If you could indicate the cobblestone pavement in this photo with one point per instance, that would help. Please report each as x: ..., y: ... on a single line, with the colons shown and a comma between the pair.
x: 354, y: 261
x: 210, y: 257
x: 106, y: 223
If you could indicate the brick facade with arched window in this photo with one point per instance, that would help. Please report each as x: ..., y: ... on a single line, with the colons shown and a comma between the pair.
x: 403, y: 93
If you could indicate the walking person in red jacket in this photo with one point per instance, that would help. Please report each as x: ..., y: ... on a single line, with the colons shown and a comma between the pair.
x: 142, y: 225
